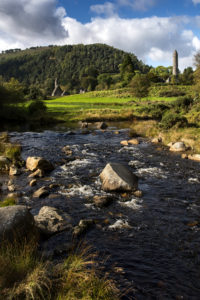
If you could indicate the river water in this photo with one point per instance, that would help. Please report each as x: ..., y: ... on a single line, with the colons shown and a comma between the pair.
x: 150, y: 245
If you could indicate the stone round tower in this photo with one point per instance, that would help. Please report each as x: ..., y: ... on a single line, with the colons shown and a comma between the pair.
x: 175, y: 63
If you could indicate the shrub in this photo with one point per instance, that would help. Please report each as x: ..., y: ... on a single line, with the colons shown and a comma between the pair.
x: 171, y: 93
x: 182, y: 102
x: 36, y: 107
x: 171, y: 119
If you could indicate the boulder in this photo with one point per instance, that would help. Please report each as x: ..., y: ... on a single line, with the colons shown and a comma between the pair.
x: 34, y: 163
x: 40, y: 193
x: 124, y: 143
x: 133, y: 142
x: 15, y: 221
x: 4, y: 163
x: 195, y: 157
x: 101, y: 125
x: 51, y: 220
x: 117, y: 177
x: 178, y: 147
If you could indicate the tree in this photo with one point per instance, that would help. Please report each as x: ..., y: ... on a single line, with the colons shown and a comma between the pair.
x: 104, y: 81
x: 140, y: 85
x: 187, y: 77
x: 127, y: 69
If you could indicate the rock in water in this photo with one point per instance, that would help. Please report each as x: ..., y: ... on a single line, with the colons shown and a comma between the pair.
x: 34, y: 163
x: 178, y: 147
x: 40, y: 193
x: 51, y: 220
x: 101, y: 125
x: 15, y: 221
x: 117, y: 177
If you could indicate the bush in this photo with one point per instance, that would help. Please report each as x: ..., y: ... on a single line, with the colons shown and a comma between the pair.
x: 171, y: 119
x: 182, y: 102
x: 36, y: 107
x: 171, y: 93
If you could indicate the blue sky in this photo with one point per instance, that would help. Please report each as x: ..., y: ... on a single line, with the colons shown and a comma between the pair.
x: 151, y: 29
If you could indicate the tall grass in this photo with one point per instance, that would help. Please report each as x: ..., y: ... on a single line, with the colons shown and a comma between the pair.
x: 24, y: 275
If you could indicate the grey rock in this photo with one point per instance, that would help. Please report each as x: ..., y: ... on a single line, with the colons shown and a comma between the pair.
x: 117, y: 177
x: 15, y: 221
x: 178, y: 147
x: 51, y: 220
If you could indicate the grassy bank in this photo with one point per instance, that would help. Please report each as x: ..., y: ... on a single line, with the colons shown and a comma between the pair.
x: 103, y: 105
x: 24, y: 274
x: 177, y: 115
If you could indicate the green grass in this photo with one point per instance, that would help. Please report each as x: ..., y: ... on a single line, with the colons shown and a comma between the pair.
x: 8, y: 202
x: 107, y: 105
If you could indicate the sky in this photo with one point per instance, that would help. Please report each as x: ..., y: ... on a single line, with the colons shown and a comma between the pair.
x: 151, y: 29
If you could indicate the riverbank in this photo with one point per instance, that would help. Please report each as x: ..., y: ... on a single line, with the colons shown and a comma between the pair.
x: 176, y: 118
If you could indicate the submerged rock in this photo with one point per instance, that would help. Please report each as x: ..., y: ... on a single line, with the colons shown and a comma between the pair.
x: 51, y: 220
x: 102, y: 201
x: 67, y: 150
x: 34, y: 163
x: 178, y: 147
x: 15, y: 221
x: 117, y: 177
x: 82, y: 226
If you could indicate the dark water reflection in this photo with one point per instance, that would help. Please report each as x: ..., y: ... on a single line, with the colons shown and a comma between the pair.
x: 152, y: 244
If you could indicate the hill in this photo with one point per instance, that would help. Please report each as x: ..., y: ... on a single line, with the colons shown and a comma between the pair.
x: 40, y: 66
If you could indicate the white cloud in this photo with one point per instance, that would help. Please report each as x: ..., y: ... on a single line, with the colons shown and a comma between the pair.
x: 140, y: 5
x: 107, y: 8
x: 31, y: 22
x: 25, y: 23
x: 151, y: 39
x: 196, y: 1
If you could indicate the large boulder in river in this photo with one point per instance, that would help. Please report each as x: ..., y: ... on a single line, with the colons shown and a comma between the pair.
x: 33, y: 163
x: 15, y: 221
x: 178, y: 147
x: 117, y: 177
x: 51, y: 220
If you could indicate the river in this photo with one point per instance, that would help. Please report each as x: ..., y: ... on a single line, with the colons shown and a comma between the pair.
x: 149, y: 245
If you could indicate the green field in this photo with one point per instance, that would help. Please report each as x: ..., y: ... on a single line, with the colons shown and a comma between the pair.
x: 105, y: 105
